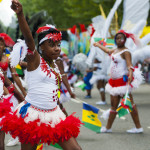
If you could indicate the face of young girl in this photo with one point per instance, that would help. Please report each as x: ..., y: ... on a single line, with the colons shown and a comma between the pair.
x: 120, y: 40
x: 50, y: 49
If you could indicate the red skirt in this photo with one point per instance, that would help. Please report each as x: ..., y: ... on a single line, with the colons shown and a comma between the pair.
x: 45, y: 126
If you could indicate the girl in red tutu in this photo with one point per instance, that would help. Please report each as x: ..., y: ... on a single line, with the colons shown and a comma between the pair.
x: 39, y: 118
x: 8, y: 101
x: 122, y: 74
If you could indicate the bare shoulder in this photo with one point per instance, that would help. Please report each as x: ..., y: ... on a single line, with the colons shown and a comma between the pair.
x: 128, y: 53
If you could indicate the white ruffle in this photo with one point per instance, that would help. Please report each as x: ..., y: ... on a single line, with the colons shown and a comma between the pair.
x: 47, y: 117
x: 138, y: 79
x: 19, y: 52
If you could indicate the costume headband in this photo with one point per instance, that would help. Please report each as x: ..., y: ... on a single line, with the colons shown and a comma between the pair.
x: 130, y: 35
x: 48, y: 34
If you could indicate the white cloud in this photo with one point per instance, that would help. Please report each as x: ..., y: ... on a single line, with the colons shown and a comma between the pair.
x: 5, y: 12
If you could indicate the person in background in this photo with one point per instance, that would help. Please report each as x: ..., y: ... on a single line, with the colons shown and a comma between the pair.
x: 123, y: 77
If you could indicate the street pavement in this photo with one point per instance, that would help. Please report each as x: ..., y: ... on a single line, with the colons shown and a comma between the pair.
x: 119, y: 139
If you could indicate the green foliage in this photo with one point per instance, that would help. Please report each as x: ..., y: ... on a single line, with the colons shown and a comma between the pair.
x: 66, y: 13
x: 2, y: 28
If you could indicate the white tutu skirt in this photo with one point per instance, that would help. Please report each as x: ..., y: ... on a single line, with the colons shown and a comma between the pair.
x: 119, y: 86
x: 45, y: 126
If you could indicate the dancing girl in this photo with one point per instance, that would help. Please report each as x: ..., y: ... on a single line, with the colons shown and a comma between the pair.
x: 39, y: 118
x: 123, y: 75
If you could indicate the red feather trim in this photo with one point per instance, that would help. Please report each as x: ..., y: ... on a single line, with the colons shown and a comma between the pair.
x: 35, y: 132
x: 54, y: 36
x: 42, y: 29
x: 5, y: 106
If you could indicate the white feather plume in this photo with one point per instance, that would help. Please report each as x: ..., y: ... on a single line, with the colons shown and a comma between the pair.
x: 79, y: 62
x: 145, y: 40
x: 19, y: 52
x: 141, y: 54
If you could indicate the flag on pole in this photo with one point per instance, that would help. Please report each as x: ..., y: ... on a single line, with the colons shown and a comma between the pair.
x: 125, y: 106
x: 90, y: 118
x: 108, y: 42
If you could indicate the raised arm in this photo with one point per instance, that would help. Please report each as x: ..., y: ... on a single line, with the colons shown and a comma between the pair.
x: 34, y: 58
x: 17, y: 8
x: 103, y: 48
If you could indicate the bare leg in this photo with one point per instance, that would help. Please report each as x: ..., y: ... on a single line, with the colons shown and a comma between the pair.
x: 2, y: 138
x: 88, y: 92
x: 101, y: 88
x: 28, y: 147
x: 114, y: 104
x: 71, y: 144
x: 134, y: 114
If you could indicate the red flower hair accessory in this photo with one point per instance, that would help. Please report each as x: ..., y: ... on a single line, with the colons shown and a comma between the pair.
x: 53, y: 36
x: 45, y: 28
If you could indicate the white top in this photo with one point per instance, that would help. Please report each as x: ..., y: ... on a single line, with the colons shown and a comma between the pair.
x: 42, y: 86
x: 118, y: 66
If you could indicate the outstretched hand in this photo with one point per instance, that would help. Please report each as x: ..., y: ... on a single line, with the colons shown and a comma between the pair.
x: 16, y: 6
x: 72, y: 95
x: 96, y: 44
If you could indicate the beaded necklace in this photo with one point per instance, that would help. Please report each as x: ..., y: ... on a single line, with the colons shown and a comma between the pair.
x: 57, y: 75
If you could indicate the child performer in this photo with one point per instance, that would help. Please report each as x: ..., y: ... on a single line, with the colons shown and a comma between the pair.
x: 7, y: 101
x: 39, y: 118
x: 122, y: 74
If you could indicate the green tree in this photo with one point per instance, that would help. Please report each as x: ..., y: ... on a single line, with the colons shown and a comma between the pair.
x: 66, y: 13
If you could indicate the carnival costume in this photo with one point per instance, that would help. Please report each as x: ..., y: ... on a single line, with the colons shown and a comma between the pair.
x: 39, y: 118
x: 117, y: 84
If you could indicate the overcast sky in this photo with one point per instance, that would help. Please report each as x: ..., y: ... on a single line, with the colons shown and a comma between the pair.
x: 5, y: 12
